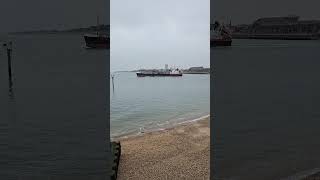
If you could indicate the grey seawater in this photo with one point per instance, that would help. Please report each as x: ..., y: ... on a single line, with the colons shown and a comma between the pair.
x: 267, y: 106
x: 153, y: 103
x: 53, y: 124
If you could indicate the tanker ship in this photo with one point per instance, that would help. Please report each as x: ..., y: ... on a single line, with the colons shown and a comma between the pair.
x: 97, y: 40
x: 163, y: 72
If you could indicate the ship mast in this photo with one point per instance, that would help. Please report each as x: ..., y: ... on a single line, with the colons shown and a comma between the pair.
x: 97, y: 25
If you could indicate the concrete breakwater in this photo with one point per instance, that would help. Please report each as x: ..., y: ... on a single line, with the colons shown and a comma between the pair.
x: 115, y: 154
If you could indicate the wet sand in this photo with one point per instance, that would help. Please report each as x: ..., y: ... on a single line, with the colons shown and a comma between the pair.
x: 182, y: 152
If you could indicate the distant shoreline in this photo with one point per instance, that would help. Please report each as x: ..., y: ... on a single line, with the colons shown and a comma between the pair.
x: 104, y: 29
x: 134, y: 71
x: 191, y: 70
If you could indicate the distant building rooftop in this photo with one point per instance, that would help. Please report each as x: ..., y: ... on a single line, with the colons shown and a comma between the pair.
x: 196, y: 68
x: 278, y: 21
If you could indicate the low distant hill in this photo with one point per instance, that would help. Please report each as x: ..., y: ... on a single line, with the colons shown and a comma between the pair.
x: 105, y: 29
x: 197, y: 70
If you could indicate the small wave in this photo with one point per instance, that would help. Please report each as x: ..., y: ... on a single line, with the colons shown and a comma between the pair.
x: 162, y: 124
x: 194, y: 120
x: 303, y: 174
x: 160, y: 127
x: 141, y: 130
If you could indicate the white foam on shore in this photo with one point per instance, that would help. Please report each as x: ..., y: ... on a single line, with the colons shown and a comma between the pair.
x: 194, y: 120
x: 143, y: 130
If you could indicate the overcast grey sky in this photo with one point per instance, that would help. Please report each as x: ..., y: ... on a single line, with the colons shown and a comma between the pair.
x: 246, y: 11
x: 18, y: 15
x: 150, y: 34
x: 21, y: 15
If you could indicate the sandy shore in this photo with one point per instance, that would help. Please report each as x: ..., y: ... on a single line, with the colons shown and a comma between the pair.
x: 182, y: 152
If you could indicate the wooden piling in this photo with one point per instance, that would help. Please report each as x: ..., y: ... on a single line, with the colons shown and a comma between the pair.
x: 9, y: 66
x: 116, y: 153
x: 112, y: 77
x: 9, y: 51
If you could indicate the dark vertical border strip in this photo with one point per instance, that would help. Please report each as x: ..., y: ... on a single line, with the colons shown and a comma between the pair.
x: 108, y: 145
x: 212, y: 102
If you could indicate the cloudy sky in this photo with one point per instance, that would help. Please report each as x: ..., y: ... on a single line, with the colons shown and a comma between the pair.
x: 150, y: 34
x: 19, y: 15
x: 22, y: 15
x: 38, y: 14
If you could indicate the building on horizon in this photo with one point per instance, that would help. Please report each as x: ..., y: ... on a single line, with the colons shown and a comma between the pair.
x: 288, y: 27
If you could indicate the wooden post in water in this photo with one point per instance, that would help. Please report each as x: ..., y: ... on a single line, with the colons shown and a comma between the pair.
x: 9, y: 50
x: 112, y: 77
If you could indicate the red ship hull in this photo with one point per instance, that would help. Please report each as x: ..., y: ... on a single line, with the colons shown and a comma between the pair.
x: 97, y: 41
x: 220, y: 42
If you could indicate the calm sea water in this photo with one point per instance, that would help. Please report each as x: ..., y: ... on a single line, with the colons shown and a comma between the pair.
x: 54, y: 124
x: 151, y: 103
x: 267, y: 105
